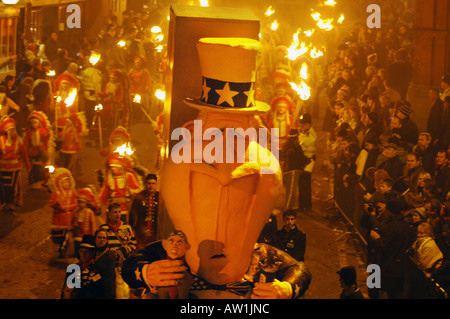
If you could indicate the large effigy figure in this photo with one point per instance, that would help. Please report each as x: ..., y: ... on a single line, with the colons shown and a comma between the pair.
x: 219, y: 186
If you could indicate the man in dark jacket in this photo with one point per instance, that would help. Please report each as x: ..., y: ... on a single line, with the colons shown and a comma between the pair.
x: 291, y: 239
x: 392, y: 241
x: 347, y: 278
x: 52, y: 46
x: 144, y: 212
x: 392, y: 165
x: 434, y: 117
x: 293, y: 161
x: 409, y: 130
x: 442, y: 171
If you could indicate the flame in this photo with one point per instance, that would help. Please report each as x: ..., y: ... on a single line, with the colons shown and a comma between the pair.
x: 341, y: 18
x: 71, y: 98
x: 121, y: 43
x: 294, y: 51
x: 159, y: 48
x: 269, y: 11
x: 58, y: 99
x: 314, y: 53
x: 98, y: 107
x: 155, y: 29
x: 51, y: 73
x: 94, y: 58
x: 325, y: 24
x: 309, y: 33
x: 123, y: 150
x: 137, y: 99
x: 304, y: 71
x: 204, y: 3
x: 50, y: 168
x: 159, y: 38
x: 330, y: 3
x: 315, y: 16
x: 274, y: 26
x: 160, y: 94
x: 303, y: 90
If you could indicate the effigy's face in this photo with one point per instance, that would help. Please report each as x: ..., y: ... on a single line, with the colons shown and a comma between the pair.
x: 221, y: 205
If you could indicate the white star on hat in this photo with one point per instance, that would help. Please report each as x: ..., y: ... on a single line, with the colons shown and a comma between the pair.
x: 226, y: 95
x: 205, y: 91
x: 250, y: 95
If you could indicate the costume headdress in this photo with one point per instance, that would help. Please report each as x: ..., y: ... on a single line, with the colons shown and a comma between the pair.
x: 120, y: 132
x: 6, y: 124
x: 58, y: 175
x: 73, y: 82
x: 89, y: 194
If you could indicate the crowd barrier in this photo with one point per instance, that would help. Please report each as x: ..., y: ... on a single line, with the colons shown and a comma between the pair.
x: 349, y: 200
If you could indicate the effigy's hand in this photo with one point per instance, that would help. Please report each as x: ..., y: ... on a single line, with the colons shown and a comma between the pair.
x: 272, y: 290
x: 163, y: 273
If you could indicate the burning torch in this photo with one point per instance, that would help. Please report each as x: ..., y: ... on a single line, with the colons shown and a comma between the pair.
x: 98, y: 108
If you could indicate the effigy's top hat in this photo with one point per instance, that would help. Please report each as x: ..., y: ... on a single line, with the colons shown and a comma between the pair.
x: 228, y: 67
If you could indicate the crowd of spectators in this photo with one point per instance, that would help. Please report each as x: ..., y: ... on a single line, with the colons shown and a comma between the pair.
x: 379, y: 153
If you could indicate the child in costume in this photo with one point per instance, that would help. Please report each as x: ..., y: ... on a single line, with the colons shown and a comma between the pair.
x: 85, y: 221
x: 121, y: 184
x: 39, y: 146
x: 70, y: 129
x: 63, y: 201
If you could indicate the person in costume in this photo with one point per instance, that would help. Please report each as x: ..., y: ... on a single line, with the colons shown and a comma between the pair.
x: 116, y: 101
x: 38, y: 143
x: 140, y: 84
x: 121, y: 184
x: 143, y: 215
x: 85, y: 221
x: 222, y: 205
x: 63, y: 201
x: 280, y: 118
x: 13, y: 156
x: 69, y: 131
x: 65, y: 85
x: 120, y: 137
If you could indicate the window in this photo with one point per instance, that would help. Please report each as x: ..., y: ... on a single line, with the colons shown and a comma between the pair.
x: 8, y: 39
